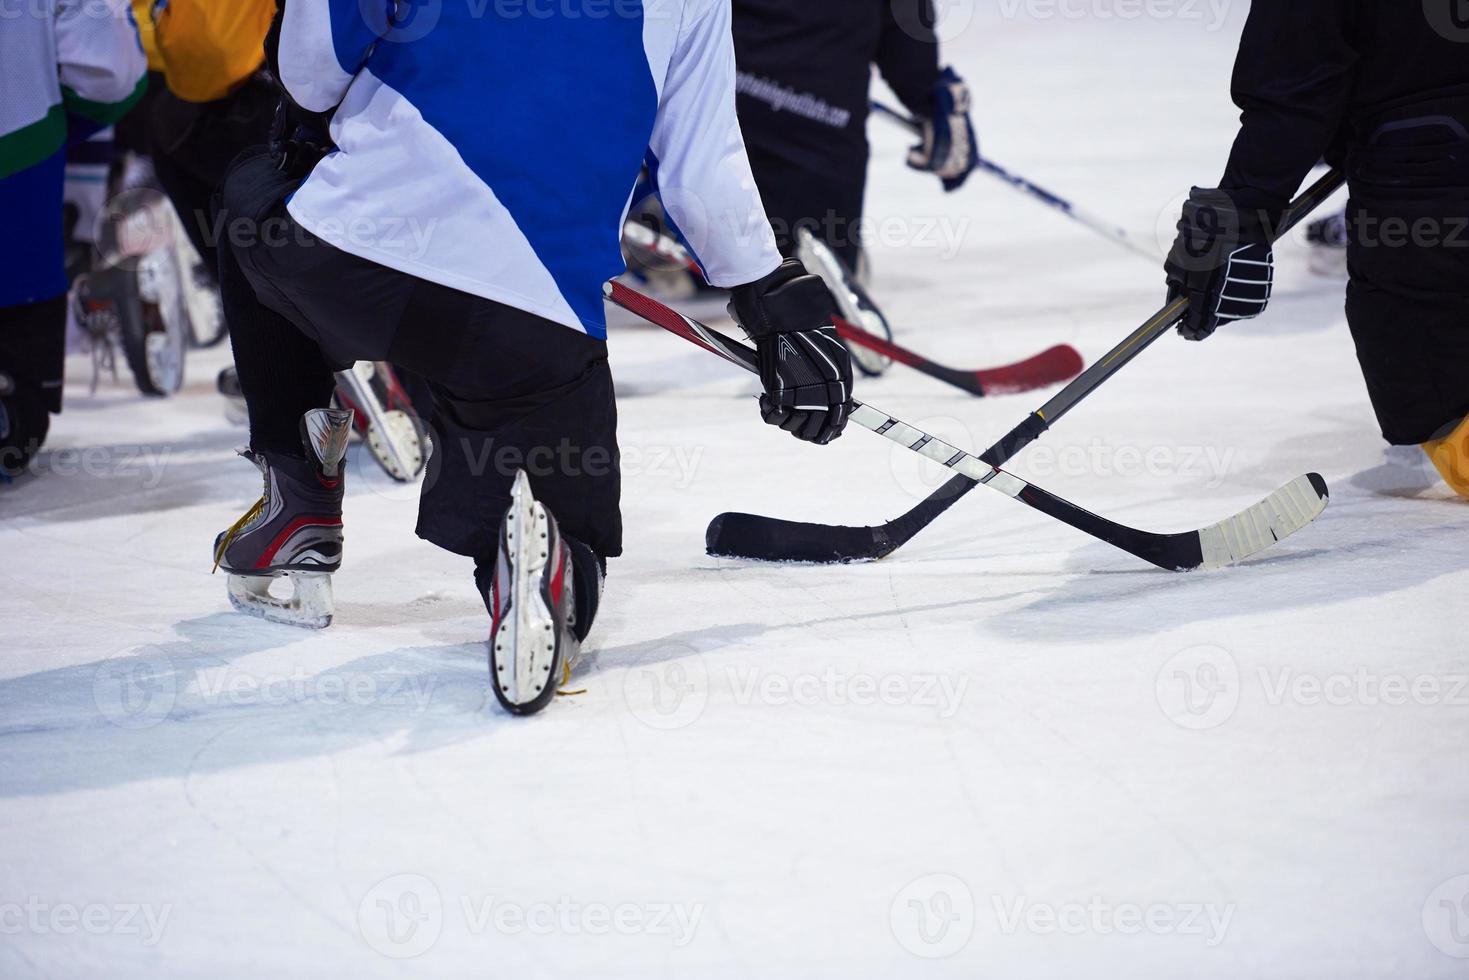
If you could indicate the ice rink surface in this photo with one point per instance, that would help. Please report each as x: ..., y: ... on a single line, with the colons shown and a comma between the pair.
x: 1008, y: 751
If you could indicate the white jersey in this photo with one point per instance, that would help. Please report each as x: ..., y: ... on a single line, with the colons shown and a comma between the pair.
x: 67, y: 68
x: 494, y: 147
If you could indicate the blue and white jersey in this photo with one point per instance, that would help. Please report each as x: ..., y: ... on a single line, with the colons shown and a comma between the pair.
x: 493, y: 145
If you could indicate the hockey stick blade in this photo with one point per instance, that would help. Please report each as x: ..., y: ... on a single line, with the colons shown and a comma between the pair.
x: 1283, y: 513
x: 1278, y: 516
x: 1050, y: 367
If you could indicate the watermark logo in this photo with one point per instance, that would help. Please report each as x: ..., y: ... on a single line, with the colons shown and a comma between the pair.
x: 1448, y: 18
x: 402, y: 916
x: 1199, y: 688
x: 668, y: 696
x: 951, y: 18
x: 41, y: 918
x: 1446, y: 917
x: 135, y: 692
x: 1100, y: 917
x: 919, y: 476
x: 933, y: 916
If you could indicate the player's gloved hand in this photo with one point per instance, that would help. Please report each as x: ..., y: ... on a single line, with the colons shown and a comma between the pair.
x: 1222, y: 261
x: 949, y: 148
x: 806, y: 370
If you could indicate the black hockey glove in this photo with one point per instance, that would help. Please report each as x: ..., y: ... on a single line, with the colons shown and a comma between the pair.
x: 949, y: 148
x: 1222, y: 261
x: 298, y: 137
x: 806, y: 371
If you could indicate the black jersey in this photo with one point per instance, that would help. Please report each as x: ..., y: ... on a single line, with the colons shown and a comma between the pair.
x: 805, y: 67
x: 1314, y: 76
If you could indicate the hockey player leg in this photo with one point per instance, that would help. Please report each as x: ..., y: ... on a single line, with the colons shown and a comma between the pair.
x: 294, y: 531
x: 542, y: 599
x: 32, y: 358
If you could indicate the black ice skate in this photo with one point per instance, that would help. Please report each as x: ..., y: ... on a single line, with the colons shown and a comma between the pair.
x: 533, y: 643
x: 294, y: 530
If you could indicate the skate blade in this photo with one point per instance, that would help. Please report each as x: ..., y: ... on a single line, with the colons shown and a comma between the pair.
x: 406, y: 449
x: 524, y: 647
x: 310, y: 605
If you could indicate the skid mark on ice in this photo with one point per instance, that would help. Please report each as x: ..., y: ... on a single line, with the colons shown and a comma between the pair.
x: 190, y: 789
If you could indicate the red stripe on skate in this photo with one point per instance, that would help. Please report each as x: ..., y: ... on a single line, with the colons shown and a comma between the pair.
x: 290, y: 529
x: 558, y: 579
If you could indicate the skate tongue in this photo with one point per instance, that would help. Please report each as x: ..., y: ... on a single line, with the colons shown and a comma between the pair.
x: 324, y: 433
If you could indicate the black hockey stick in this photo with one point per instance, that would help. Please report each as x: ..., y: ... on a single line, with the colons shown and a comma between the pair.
x: 1050, y: 367
x: 772, y: 539
x: 1101, y: 226
x: 1278, y: 516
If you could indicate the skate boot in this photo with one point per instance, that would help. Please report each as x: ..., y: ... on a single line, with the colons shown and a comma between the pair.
x: 294, y: 530
x: 535, y: 640
x: 1450, y: 456
x: 852, y: 299
x: 385, y: 418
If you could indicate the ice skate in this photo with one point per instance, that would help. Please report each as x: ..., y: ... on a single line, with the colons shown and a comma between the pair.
x: 385, y: 418
x: 533, y: 644
x: 855, y: 304
x: 294, y: 530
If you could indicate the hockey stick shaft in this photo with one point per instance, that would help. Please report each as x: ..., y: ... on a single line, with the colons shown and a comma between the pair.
x: 1106, y: 228
x: 1136, y: 342
x: 1283, y: 513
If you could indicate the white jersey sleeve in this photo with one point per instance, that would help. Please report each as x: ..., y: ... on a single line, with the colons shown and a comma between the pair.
x: 99, y: 57
x: 703, y: 174
x: 323, y: 44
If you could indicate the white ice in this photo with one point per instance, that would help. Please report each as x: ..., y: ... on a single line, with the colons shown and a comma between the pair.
x: 1007, y: 751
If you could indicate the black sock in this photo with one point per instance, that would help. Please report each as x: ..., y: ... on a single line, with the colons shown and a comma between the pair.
x: 282, y: 373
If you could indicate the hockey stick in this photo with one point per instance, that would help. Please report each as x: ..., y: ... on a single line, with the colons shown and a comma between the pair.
x: 1050, y: 367
x: 1278, y: 516
x: 1101, y: 226
x: 773, y: 539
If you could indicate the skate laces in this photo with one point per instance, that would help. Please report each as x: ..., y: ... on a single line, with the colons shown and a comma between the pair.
x: 233, y: 531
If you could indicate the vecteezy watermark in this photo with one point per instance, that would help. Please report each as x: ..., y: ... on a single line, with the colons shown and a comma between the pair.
x: 670, y: 695
x: 917, y: 475
x: 1199, y: 688
x: 951, y: 18
x: 1211, y: 14
x: 403, y: 916
x: 1100, y: 917
x: 1096, y: 458
x: 1363, y: 687
x: 1449, y: 18
x: 1446, y: 917
x: 1202, y: 687
x: 143, y: 464
x: 943, y: 692
x: 41, y: 918
x: 933, y: 916
x: 136, y: 691
x: 673, y: 695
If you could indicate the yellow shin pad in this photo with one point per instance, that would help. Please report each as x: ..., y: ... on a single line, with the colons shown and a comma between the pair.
x: 1450, y: 455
